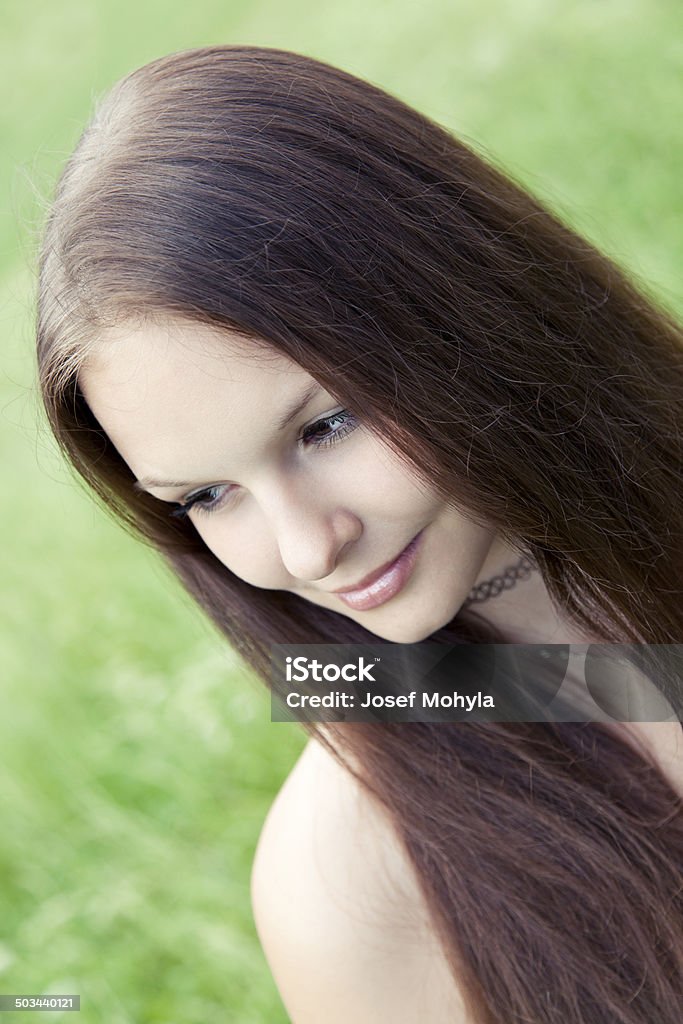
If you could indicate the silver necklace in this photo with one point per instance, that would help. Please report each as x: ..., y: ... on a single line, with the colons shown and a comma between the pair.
x: 490, y: 588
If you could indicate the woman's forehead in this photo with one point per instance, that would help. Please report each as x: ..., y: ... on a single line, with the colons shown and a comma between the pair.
x: 160, y: 352
x: 157, y: 394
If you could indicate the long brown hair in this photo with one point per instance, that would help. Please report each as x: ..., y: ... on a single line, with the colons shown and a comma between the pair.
x: 508, y: 361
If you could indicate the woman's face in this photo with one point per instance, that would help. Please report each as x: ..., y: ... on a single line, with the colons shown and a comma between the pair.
x: 311, y: 505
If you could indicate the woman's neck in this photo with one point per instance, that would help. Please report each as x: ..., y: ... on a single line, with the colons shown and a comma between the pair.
x: 525, y: 613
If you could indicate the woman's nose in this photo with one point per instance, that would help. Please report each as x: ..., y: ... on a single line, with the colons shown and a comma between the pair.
x: 311, y: 533
x: 312, y: 545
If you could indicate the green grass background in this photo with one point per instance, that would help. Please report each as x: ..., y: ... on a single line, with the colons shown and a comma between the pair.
x: 137, y: 757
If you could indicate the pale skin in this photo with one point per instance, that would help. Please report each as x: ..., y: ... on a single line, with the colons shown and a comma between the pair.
x: 183, y: 403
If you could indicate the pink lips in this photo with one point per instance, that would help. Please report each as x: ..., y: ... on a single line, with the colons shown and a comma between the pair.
x: 387, y: 582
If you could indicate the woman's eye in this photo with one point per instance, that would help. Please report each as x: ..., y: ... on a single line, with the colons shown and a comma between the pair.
x: 201, y: 504
x: 321, y: 434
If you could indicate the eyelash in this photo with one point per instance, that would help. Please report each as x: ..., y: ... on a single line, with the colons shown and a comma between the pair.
x: 206, y: 508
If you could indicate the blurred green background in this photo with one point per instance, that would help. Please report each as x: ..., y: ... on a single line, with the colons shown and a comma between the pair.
x: 138, y: 758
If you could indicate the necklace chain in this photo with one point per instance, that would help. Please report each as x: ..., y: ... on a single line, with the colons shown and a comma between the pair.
x: 491, y: 588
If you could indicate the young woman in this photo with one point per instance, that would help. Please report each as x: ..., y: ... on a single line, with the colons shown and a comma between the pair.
x: 354, y: 384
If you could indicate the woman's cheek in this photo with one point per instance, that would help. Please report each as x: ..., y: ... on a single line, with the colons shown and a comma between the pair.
x: 388, y: 483
x: 251, y: 555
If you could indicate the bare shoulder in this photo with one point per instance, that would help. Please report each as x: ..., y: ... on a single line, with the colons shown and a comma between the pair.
x: 338, y: 911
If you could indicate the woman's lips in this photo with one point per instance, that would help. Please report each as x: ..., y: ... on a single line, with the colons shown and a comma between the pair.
x: 392, y: 578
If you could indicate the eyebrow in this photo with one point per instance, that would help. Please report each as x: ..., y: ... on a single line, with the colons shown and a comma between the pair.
x: 298, y: 407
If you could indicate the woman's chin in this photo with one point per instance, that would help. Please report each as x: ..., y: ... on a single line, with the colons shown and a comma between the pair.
x: 408, y: 629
